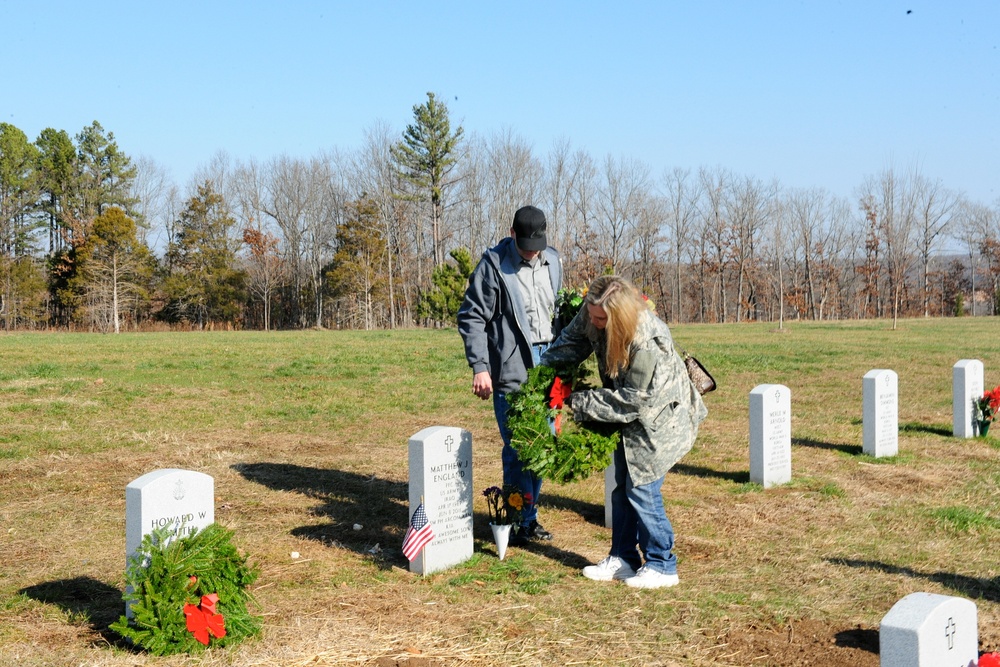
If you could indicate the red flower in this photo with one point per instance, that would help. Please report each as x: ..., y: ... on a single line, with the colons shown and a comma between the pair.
x: 202, y: 619
x: 559, y: 424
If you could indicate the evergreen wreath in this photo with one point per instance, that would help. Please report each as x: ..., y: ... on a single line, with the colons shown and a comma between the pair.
x: 578, y: 449
x: 168, y: 578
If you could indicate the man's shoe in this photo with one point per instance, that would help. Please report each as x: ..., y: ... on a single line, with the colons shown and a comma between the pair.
x: 647, y: 578
x: 536, y: 532
x: 518, y: 537
x: 608, y: 569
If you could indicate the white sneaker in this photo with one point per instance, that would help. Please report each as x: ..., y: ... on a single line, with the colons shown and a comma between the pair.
x: 647, y: 578
x: 608, y: 569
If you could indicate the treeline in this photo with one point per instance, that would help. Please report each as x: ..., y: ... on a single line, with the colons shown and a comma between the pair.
x: 385, y: 235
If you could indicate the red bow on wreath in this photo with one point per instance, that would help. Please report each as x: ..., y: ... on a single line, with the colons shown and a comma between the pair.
x: 202, y: 619
x: 989, y: 660
x: 558, y: 394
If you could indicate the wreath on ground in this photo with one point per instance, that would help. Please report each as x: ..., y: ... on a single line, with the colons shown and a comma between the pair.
x: 548, y: 441
x: 187, y: 592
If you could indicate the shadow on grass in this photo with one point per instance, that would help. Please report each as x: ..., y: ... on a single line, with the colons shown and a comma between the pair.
x: 943, y: 430
x: 972, y: 587
x: 933, y: 429
x: 590, y: 512
x: 380, y: 507
x: 741, y: 477
x: 344, y: 499
x: 853, y: 450
x: 84, y: 600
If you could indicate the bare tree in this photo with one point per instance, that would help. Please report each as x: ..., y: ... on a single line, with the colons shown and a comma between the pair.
x: 934, y: 208
x: 622, y: 190
x: 888, y: 202
x: 151, y: 191
x: 377, y: 179
x: 514, y: 178
x: 681, y: 196
x: 715, y: 233
x: 750, y: 204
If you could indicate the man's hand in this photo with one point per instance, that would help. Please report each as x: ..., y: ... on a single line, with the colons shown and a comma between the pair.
x: 482, y: 385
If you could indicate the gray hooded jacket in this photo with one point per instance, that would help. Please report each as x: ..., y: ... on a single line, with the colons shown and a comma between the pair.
x: 493, y: 321
x: 652, y: 398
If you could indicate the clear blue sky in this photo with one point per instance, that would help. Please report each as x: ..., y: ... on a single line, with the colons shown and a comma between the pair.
x: 811, y: 93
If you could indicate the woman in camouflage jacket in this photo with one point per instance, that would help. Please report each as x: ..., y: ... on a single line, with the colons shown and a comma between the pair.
x: 648, y: 395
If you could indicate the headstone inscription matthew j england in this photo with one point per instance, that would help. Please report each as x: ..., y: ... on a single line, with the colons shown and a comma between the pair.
x: 880, y: 411
x: 440, y: 459
x: 770, y: 435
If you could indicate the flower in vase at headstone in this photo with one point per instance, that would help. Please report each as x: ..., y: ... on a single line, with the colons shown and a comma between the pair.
x: 501, y: 535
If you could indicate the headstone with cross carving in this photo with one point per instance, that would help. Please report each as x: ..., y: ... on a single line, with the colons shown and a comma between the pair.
x: 179, y: 501
x: 441, y: 477
x: 880, y: 409
x: 770, y: 435
x: 930, y: 630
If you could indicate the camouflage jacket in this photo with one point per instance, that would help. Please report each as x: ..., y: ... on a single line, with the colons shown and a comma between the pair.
x: 652, y: 398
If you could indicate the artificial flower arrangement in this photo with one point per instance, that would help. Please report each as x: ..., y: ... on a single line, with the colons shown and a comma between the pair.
x: 188, y: 592
x: 548, y: 441
x: 989, y: 660
x: 988, y: 405
x: 506, y: 506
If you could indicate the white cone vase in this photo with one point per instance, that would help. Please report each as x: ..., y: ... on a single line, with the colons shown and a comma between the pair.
x: 501, y: 535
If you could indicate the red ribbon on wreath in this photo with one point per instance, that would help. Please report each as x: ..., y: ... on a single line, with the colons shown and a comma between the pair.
x: 202, y: 619
x: 558, y: 394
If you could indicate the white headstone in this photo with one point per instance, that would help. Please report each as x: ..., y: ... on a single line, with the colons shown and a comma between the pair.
x: 441, y: 474
x: 966, y: 386
x: 880, y: 391
x: 184, y: 500
x: 181, y: 500
x: 770, y: 434
x: 929, y: 630
x: 609, y: 486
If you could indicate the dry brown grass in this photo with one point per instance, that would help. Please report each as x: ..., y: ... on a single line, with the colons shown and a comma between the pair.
x: 795, y: 575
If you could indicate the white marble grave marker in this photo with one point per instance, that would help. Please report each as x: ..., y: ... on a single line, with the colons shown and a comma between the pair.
x: 183, y: 500
x: 966, y: 386
x: 441, y: 474
x: 929, y: 630
x: 770, y: 434
x: 880, y: 392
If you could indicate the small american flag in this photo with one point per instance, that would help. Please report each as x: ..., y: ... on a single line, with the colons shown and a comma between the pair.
x: 418, y: 534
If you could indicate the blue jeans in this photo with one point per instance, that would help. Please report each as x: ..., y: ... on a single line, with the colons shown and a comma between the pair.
x: 637, y: 516
x: 513, y: 473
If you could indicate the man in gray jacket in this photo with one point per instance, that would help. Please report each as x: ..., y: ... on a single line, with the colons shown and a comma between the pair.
x: 507, y: 320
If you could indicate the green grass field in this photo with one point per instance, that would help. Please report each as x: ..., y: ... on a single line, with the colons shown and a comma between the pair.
x: 306, y: 435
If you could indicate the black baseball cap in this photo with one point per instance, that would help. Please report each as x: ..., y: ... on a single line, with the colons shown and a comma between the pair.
x: 529, y: 229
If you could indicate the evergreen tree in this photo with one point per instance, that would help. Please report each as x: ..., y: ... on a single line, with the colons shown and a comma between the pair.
x: 204, y: 284
x: 19, y: 272
x: 355, y: 277
x: 56, y: 169
x: 442, y: 301
x: 426, y: 157
x: 115, y: 268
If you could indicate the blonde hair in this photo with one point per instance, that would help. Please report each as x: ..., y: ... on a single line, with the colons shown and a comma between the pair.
x: 621, y: 301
